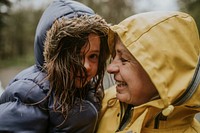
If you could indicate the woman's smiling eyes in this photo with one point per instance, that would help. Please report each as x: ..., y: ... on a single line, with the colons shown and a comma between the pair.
x: 121, y: 58
x: 124, y: 59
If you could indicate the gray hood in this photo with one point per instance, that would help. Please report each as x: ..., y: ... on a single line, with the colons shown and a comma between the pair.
x: 56, y: 10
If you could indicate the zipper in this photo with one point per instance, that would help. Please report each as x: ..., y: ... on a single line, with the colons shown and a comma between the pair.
x: 158, y: 118
x: 126, y: 118
x: 191, y: 89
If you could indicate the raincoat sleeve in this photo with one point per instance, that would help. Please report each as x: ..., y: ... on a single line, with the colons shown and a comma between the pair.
x: 17, y: 113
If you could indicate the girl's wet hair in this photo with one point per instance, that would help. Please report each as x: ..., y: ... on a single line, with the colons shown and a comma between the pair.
x: 63, y: 60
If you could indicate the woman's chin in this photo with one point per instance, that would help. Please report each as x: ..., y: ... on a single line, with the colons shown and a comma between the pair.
x: 123, y: 98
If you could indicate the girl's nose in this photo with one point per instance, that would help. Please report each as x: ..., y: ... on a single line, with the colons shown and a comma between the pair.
x: 112, y: 68
x: 87, y: 65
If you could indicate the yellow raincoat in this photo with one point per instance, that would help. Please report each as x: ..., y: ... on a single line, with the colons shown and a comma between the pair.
x: 167, y: 45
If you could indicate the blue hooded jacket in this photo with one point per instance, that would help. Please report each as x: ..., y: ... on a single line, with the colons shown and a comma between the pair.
x: 21, y: 109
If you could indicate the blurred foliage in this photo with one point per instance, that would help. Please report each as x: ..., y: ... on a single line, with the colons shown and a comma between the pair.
x: 4, y: 4
x: 4, y: 7
x: 113, y: 11
x: 18, y: 25
x: 25, y: 61
x: 193, y: 8
x: 17, y: 35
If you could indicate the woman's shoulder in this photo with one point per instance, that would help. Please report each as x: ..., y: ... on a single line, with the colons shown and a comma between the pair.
x: 110, y: 93
x: 109, y: 98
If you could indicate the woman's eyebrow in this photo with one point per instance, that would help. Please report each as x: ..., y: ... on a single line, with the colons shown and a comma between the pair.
x: 116, y: 51
x: 119, y: 51
x: 122, y: 51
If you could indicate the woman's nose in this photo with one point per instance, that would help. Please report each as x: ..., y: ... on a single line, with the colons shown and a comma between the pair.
x: 112, y: 68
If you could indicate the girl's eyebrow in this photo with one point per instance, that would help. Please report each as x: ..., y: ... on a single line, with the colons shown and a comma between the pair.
x: 96, y: 51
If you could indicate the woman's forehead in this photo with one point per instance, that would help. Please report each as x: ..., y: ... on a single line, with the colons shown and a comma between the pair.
x: 120, y: 47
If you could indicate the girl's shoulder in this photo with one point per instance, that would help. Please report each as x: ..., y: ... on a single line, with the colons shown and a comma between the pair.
x: 28, y: 87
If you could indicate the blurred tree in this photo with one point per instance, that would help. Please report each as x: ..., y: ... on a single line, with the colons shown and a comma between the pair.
x: 113, y: 11
x: 4, y: 6
x: 19, y: 35
x: 191, y: 7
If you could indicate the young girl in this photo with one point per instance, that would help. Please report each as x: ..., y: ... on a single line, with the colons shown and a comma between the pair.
x: 63, y: 91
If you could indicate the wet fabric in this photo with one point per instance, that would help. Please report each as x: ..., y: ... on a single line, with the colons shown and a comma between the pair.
x: 21, y: 109
x: 167, y: 45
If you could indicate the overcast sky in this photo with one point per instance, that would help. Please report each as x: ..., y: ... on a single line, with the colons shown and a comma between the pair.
x: 140, y: 5
x: 153, y: 5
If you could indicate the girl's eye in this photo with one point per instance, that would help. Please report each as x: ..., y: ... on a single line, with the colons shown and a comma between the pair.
x: 94, y: 57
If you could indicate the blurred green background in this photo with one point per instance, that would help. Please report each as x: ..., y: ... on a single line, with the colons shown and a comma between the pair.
x: 19, y: 18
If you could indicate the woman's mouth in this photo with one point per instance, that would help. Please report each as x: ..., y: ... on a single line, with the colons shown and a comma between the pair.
x: 121, y: 83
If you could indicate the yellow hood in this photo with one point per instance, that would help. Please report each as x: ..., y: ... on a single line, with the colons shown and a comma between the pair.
x: 167, y: 45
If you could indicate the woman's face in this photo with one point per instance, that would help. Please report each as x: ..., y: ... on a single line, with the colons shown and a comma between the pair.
x: 133, y: 83
x: 91, y: 53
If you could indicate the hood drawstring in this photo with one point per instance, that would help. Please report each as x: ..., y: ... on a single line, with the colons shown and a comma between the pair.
x: 167, y: 111
x: 111, y: 102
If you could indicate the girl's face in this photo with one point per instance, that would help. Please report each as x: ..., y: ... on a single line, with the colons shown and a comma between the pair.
x: 91, y: 53
x: 133, y: 83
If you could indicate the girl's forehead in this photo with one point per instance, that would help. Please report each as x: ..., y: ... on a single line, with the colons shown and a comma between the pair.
x: 92, y: 43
